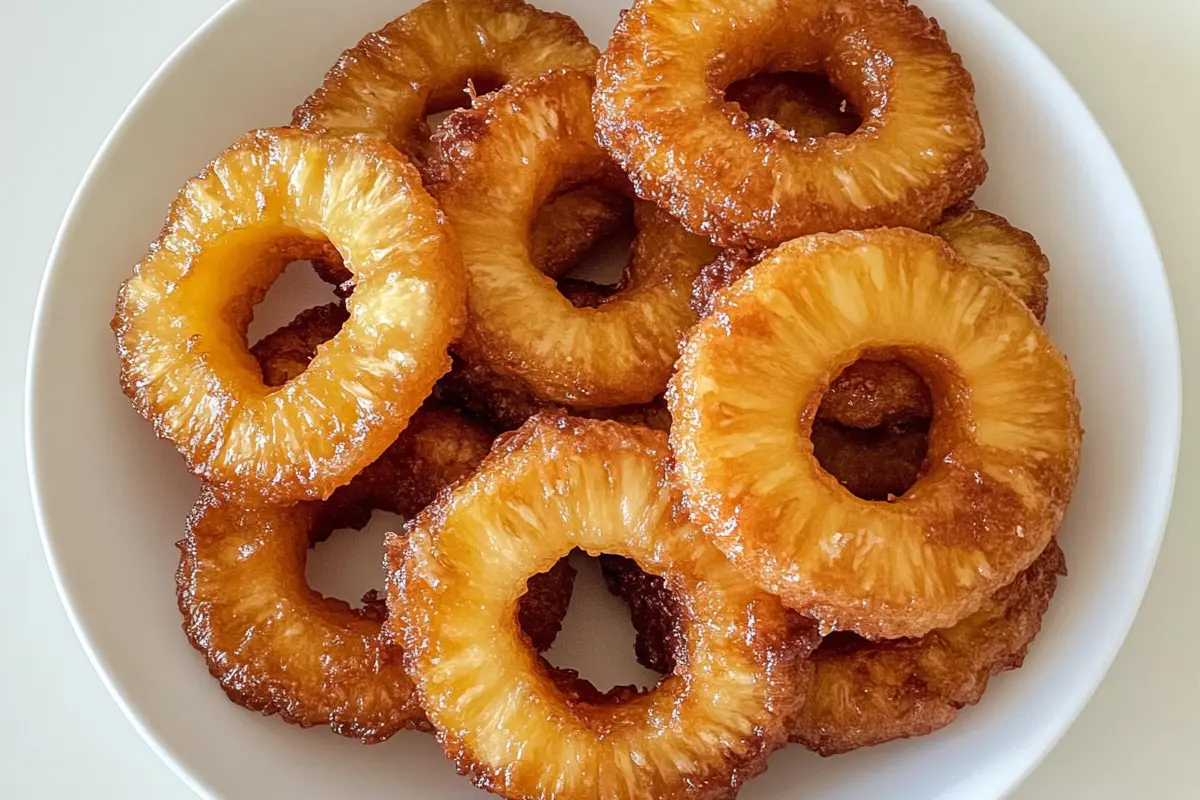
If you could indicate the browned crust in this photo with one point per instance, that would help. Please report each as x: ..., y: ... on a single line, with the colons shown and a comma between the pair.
x: 783, y: 640
x: 163, y: 363
x: 340, y: 674
x: 508, y: 402
x: 564, y: 229
x: 496, y: 163
x: 285, y: 353
x: 980, y: 513
x: 873, y: 393
x: 438, y: 448
x: 337, y: 672
x: 419, y: 64
x: 990, y: 242
x: 741, y: 182
x: 872, y: 463
x: 867, y: 693
x: 568, y: 225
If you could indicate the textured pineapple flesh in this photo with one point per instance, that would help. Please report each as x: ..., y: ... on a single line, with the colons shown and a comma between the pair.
x: 987, y: 241
x: 662, y: 113
x: 181, y: 320
x: 1003, y: 447
x: 465, y: 567
x: 276, y: 645
x: 619, y: 353
x: 865, y: 693
x: 420, y: 64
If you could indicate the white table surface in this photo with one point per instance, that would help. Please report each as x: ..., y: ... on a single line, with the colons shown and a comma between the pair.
x: 69, y: 67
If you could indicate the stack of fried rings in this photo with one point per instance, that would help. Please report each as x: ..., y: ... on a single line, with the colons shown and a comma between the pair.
x: 855, y: 351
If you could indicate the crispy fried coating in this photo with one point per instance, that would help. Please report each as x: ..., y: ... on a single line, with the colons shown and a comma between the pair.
x: 567, y: 226
x: 804, y: 103
x: 287, y: 352
x: 185, y: 362
x: 866, y: 693
x: 701, y: 732
x: 441, y: 55
x: 1004, y: 443
x: 563, y: 230
x: 438, y: 448
x: 508, y: 402
x: 989, y: 242
x: 874, y: 464
x: 274, y: 644
x: 742, y: 181
x: 652, y: 608
x: 498, y: 162
x: 874, y: 393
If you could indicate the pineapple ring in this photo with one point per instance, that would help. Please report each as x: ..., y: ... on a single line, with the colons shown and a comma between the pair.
x: 454, y: 581
x: 865, y: 693
x: 498, y: 162
x: 1003, y: 445
x: 181, y: 319
x: 661, y: 112
x: 419, y: 63
x: 868, y: 394
x: 240, y: 567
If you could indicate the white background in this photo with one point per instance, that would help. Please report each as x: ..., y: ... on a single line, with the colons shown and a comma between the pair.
x: 69, y: 67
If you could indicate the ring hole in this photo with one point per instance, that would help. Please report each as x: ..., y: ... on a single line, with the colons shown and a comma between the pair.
x: 805, y: 103
x: 597, y: 638
x: 582, y: 237
x: 872, y: 428
x: 346, y: 564
x: 456, y: 94
x: 297, y: 288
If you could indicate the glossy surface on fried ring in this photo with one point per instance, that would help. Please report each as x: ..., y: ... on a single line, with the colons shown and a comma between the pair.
x: 866, y: 693
x: 557, y: 484
x: 869, y: 393
x: 1003, y: 446
x: 662, y: 113
x: 277, y: 646
x: 420, y: 64
x: 181, y: 320
x: 498, y: 161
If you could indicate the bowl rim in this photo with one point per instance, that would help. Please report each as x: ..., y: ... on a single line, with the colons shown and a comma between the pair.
x: 1094, y: 140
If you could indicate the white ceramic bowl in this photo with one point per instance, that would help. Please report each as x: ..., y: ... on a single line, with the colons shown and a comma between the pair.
x: 111, y: 500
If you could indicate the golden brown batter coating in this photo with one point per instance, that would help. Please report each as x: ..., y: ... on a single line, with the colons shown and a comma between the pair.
x: 182, y: 318
x: 499, y: 161
x: 500, y: 714
x: 1003, y: 446
x: 661, y: 111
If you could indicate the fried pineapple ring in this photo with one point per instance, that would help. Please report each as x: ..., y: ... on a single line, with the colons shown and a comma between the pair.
x: 181, y: 320
x: 989, y: 242
x: 873, y: 393
x: 660, y: 111
x: 498, y: 161
x: 1003, y: 446
x: 866, y: 693
x: 273, y: 643
x: 498, y: 711
x: 419, y: 64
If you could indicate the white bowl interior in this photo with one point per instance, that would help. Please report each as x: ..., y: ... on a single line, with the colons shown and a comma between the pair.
x: 111, y: 499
